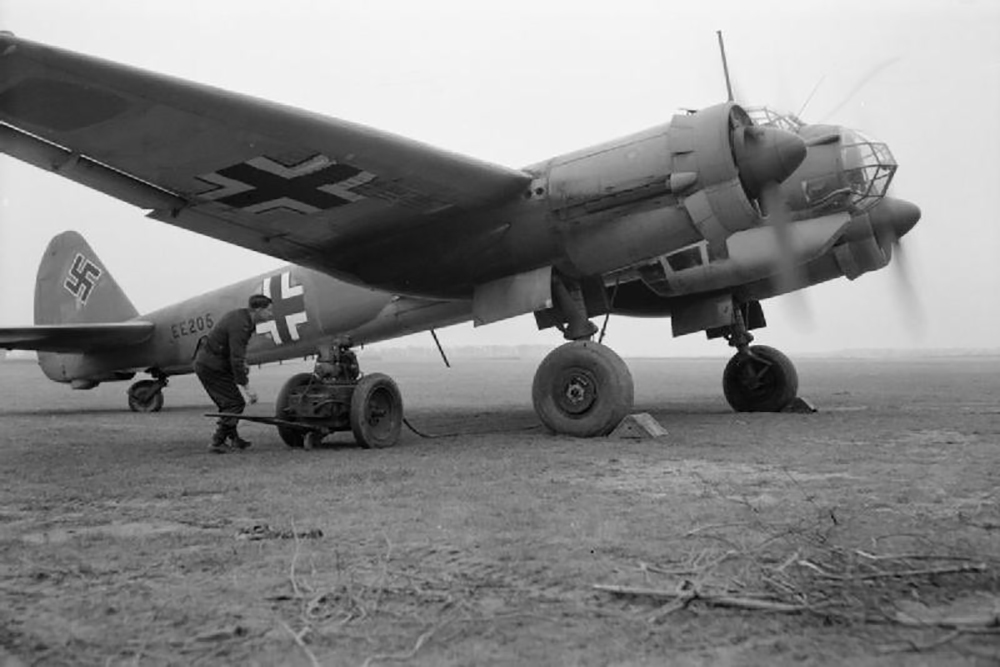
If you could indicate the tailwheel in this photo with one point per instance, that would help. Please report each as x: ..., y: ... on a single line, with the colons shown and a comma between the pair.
x: 293, y: 437
x: 376, y: 411
x: 146, y: 395
x: 582, y: 389
x: 762, y: 379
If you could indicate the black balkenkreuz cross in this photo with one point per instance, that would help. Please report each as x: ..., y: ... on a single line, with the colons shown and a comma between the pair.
x: 264, y: 184
x: 288, y: 305
x: 82, y: 277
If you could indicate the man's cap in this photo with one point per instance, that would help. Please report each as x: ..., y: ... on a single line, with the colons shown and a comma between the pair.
x: 259, y: 301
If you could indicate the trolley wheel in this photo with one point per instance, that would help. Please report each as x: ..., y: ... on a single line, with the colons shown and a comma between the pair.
x: 293, y: 437
x: 376, y: 411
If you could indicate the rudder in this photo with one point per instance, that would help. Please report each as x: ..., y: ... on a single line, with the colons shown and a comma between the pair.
x: 74, y: 287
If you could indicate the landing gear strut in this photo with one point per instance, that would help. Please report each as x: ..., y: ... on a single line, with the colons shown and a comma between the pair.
x: 758, y: 378
x: 147, y: 395
x: 582, y: 388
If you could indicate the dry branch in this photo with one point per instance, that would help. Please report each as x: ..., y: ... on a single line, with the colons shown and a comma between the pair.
x: 717, y: 600
x: 954, y: 569
x: 989, y: 622
x: 295, y: 558
x: 397, y: 657
x: 302, y: 645
x: 914, y: 647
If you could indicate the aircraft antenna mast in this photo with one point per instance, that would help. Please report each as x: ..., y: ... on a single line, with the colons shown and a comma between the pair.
x: 725, y: 65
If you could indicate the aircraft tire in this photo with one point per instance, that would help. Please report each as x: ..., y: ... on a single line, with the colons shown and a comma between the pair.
x: 376, y: 411
x: 582, y: 389
x: 763, y: 381
x: 292, y: 437
x: 142, y: 397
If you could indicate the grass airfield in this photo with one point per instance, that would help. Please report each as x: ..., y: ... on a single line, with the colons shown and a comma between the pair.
x: 867, y: 533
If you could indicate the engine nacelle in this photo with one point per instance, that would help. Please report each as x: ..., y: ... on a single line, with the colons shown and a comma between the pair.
x: 861, y: 250
x: 626, y: 201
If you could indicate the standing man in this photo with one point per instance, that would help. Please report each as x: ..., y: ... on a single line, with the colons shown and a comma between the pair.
x: 220, y: 363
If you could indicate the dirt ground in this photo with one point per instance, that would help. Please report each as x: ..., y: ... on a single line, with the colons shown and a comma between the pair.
x: 865, y: 534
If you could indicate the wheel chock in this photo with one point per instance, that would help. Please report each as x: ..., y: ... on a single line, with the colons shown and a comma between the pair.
x: 800, y: 405
x: 638, y: 426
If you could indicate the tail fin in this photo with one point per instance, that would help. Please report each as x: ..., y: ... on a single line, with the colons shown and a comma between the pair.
x: 74, y: 286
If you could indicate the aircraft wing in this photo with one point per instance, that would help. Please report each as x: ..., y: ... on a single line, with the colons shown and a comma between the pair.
x: 281, y: 181
x: 75, y: 337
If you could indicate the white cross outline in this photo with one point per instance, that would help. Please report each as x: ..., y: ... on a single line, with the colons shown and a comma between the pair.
x: 293, y: 320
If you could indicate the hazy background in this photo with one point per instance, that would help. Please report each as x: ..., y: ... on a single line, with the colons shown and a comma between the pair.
x: 515, y: 82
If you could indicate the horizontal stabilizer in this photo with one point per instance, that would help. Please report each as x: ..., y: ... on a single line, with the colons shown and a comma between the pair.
x: 75, y: 337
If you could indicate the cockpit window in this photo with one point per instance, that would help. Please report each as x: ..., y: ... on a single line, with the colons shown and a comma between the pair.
x: 771, y: 118
x: 860, y: 180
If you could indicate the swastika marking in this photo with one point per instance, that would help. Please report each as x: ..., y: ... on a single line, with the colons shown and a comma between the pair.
x: 82, y: 277
x: 288, y: 305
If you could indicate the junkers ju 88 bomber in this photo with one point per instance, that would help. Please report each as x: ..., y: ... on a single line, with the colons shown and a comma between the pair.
x: 699, y: 219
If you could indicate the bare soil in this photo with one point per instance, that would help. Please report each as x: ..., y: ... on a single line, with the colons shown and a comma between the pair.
x: 866, y: 534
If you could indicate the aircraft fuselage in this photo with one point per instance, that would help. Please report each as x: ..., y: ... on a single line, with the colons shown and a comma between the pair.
x: 309, y: 308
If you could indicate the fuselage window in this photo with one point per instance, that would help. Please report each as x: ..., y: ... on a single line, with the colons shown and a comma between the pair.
x: 685, y: 259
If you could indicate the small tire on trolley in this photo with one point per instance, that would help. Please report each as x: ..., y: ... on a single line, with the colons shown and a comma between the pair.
x: 145, y: 396
x: 582, y: 389
x: 376, y: 411
x: 765, y: 380
x: 293, y: 437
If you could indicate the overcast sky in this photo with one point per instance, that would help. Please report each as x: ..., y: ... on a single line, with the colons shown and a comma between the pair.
x: 515, y: 82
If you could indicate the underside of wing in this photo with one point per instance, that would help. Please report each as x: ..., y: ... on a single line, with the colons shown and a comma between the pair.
x: 79, y: 338
x: 278, y: 180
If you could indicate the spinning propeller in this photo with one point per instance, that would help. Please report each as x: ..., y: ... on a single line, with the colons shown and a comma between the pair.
x: 891, y: 220
x: 765, y: 158
x: 865, y: 171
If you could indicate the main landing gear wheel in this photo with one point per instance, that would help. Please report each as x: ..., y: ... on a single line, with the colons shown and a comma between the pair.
x: 145, y: 396
x: 376, y: 411
x: 293, y: 437
x: 760, y: 380
x: 582, y: 389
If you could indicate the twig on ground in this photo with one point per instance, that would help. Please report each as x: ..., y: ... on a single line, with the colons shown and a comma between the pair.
x: 914, y: 647
x: 398, y: 657
x: 954, y: 569
x: 785, y: 564
x: 380, y: 586
x: 914, y: 556
x: 295, y: 557
x: 817, y: 569
x: 297, y: 636
x: 671, y: 607
x: 718, y: 600
x: 988, y: 622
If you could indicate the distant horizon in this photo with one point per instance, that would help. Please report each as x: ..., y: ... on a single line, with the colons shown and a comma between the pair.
x: 537, y: 351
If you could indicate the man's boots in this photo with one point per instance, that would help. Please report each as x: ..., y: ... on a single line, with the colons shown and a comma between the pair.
x: 238, y: 442
x: 219, y: 444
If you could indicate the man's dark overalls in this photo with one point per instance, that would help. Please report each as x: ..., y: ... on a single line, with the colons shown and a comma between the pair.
x: 220, y: 364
